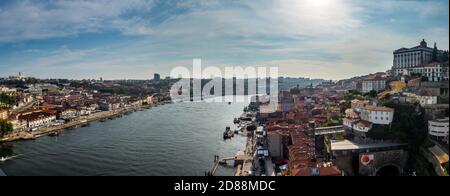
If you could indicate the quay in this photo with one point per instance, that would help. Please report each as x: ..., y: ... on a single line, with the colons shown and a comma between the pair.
x: 243, y: 159
x: 100, y: 116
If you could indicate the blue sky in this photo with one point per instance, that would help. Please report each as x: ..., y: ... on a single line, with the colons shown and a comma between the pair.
x: 132, y: 39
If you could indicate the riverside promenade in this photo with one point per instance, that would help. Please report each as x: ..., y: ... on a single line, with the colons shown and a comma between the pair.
x: 27, y: 135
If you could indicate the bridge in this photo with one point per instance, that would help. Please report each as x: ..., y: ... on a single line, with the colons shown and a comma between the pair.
x: 329, y: 130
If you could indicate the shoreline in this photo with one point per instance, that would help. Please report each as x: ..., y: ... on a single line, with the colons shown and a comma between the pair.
x: 26, y: 135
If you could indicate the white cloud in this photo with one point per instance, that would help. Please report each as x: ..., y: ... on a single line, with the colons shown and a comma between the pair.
x: 25, y: 20
x: 303, y: 37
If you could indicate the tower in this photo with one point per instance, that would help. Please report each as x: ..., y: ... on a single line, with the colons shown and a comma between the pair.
x: 423, y: 43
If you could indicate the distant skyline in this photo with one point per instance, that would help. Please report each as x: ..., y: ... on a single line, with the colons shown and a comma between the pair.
x: 133, y: 39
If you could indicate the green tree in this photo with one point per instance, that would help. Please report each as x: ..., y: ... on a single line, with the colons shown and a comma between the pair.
x: 5, y: 127
x: 371, y: 94
x: 7, y: 99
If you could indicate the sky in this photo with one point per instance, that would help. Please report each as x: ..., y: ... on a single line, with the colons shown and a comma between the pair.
x: 133, y: 39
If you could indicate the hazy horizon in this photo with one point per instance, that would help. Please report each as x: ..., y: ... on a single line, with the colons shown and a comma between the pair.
x: 327, y: 39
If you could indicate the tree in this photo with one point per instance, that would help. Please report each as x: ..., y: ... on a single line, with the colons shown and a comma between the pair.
x: 5, y: 127
x: 372, y: 94
x: 7, y: 99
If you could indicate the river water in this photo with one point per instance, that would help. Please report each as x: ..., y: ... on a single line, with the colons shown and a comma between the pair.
x: 177, y: 139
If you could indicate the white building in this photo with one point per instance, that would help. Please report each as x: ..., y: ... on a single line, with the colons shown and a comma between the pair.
x: 37, y: 120
x: 406, y: 58
x: 377, y: 114
x: 410, y: 60
x: 373, y: 84
x: 427, y: 100
x: 4, y: 89
x: 434, y: 71
x: 68, y: 114
x: 358, y: 105
x: 362, y: 126
x: 438, y: 128
x: 361, y: 117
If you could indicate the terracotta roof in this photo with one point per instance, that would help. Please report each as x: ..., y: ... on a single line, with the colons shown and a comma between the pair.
x: 378, y: 108
x: 349, y: 120
x: 373, y: 78
x: 351, y: 112
x: 363, y: 123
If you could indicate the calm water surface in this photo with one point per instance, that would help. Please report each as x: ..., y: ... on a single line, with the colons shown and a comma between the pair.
x: 175, y: 139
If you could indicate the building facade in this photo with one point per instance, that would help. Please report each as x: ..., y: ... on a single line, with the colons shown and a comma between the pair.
x: 435, y: 72
x: 377, y: 115
x: 438, y: 128
x: 406, y: 58
x: 419, y: 60
x: 3, y: 114
x: 373, y: 84
x: 362, y: 116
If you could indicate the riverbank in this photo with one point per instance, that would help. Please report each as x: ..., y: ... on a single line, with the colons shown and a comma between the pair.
x: 26, y: 135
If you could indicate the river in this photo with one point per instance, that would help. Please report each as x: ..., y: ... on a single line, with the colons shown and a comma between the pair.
x: 177, y: 139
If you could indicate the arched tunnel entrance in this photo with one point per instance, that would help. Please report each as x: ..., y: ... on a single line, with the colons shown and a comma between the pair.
x: 388, y: 170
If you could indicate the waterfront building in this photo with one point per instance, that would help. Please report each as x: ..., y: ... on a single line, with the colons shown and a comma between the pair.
x: 373, y: 83
x: 151, y: 100
x: 3, y: 114
x: 68, y: 114
x: 438, y: 128
x: 4, y: 89
x: 37, y: 119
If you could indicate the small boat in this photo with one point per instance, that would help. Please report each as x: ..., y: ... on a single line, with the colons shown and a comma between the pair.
x: 238, y: 130
x: 3, y: 159
x: 53, y: 134
x: 228, y: 134
x: 229, y: 103
x: 236, y: 121
x: 36, y: 136
x: 223, y: 162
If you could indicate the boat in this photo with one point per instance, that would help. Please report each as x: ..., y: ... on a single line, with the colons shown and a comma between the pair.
x: 36, y: 136
x: 85, y: 125
x: 228, y: 134
x: 3, y: 159
x: 53, y: 134
x: 238, y: 130
x: 236, y: 121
